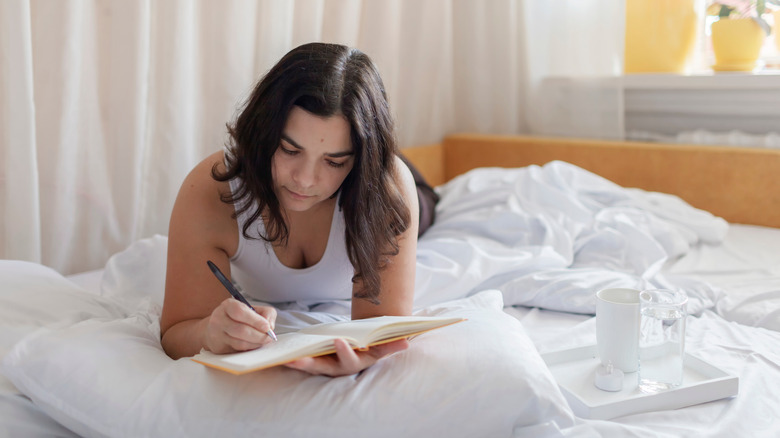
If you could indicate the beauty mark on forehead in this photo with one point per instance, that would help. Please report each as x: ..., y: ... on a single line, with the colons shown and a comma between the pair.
x: 286, y: 138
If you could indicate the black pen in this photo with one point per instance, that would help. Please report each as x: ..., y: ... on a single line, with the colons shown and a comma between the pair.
x: 235, y: 293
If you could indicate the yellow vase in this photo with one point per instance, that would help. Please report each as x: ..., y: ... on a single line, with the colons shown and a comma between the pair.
x: 660, y: 35
x: 736, y: 43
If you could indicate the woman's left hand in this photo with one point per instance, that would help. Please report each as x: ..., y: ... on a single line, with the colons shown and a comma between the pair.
x: 346, y: 361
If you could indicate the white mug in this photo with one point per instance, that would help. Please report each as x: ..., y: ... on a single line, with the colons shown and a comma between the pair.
x: 617, y: 327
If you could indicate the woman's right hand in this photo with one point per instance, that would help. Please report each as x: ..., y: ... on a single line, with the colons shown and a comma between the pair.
x: 233, y: 326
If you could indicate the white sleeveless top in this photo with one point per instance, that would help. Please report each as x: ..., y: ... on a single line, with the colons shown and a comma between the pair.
x: 260, y: 274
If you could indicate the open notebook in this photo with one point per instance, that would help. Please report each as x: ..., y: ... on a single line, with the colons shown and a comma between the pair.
x: 318, y: 340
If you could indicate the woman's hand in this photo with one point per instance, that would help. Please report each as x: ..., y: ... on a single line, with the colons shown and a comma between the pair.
x: 346, y: 361
x: 233, y: 326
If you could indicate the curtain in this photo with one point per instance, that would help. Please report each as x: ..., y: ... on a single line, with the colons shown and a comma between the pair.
x: 575, y: 73
x: 105, y: 105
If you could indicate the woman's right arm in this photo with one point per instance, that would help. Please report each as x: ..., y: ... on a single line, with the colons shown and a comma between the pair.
x: 198, y: 312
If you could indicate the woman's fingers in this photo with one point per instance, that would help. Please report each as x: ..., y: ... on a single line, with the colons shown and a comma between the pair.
x: 328, y: 365
x: 347, y: 361
x: 267, y: 312
x: 240, y: 312
x: 382, y: 350
x: 243, y: 332
x: 350, y: 361
x: 235, y: 327
x: 238, y: 344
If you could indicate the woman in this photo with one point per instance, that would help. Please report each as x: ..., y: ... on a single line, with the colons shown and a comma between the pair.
x: 309, y: 201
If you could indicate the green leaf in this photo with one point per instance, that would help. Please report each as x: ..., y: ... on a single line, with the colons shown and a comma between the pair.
x: 764, y: 25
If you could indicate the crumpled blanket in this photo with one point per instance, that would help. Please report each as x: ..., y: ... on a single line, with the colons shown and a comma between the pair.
x: 552, y: 236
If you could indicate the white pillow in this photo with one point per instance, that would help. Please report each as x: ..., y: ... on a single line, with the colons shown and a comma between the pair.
x: 34, y: 296
x: 137, y: 272
x: 482, y: 377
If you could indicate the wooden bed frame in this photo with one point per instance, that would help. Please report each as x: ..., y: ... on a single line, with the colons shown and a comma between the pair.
x: 741, y: 185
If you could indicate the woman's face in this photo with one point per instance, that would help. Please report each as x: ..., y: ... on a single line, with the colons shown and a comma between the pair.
x: 314, y: 157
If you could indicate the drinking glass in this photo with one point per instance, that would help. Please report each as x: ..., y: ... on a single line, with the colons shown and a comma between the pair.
x: 661, y: 339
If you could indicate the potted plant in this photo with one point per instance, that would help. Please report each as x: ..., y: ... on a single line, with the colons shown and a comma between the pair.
x: 739, y: 33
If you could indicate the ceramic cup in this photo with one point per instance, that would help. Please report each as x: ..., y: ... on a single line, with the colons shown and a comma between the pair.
x: 617, y: 327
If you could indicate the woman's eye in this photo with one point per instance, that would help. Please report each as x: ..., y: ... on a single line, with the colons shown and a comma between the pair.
x: 336, y: 165
x: 288, y: 151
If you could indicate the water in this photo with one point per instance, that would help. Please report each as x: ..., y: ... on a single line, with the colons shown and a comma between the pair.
x: 661, y: 348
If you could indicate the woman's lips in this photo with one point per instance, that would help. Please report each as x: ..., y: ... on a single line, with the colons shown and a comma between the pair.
x: 297, y: 195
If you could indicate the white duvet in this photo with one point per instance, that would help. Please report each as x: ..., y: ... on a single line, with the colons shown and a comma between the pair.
x: 551, y: 236
x: 539, y: 236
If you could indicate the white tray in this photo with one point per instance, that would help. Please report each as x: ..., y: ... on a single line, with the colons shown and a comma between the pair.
x: 575, y: 370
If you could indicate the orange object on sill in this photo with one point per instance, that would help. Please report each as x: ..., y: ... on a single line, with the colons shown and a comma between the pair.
x: 660, y: 35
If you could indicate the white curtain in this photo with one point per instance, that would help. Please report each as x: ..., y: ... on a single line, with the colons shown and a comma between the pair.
x: 575, y: 70
x: 105, y: 105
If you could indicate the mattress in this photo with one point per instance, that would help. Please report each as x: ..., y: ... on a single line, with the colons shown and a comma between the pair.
x: 745, y: 266
x: 518, y: 252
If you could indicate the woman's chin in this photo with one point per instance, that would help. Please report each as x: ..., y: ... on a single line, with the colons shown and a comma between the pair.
x: 291, y: 203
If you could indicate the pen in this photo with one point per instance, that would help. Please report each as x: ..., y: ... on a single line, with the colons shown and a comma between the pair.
x: 235, y: 293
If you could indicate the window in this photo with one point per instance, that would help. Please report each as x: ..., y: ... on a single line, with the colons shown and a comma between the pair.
x: 675, y: 36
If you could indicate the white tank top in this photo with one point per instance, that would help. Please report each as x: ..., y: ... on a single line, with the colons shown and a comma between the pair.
x: 260, y: 274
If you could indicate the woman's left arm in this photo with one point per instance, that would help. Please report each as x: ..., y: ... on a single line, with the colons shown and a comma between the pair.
x: 396, y: 295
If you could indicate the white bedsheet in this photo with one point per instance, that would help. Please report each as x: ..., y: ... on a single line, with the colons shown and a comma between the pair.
x: 551, y: 236
x: 547, y: 238
x: 747, y: 268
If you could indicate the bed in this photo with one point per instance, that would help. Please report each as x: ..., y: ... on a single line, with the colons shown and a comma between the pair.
x: 527, y: 230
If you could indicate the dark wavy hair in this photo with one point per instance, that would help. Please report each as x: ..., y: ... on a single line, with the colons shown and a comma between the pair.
x: 325, y: 80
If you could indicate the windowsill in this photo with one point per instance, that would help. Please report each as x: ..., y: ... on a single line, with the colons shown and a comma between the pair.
x: 716, y: 102
x: 762, y: 79
x: 661, y: 104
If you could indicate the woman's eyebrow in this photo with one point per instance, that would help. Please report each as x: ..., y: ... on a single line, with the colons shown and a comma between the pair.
x: 291, y: 141
x: 286, y: 138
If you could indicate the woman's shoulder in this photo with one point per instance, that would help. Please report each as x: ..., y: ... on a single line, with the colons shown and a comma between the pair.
x: 199, y: 206
x: 207, y: 164
x: 201, y: 177
x: 403, y: 176
x: 404, y: 179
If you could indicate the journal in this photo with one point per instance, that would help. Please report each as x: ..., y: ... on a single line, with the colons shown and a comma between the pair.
x: 318, y: 340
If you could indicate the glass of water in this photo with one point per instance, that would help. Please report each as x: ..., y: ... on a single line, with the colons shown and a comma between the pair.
x: 661, y: 339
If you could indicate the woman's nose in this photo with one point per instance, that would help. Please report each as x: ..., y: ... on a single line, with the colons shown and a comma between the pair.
x: 305, y: 175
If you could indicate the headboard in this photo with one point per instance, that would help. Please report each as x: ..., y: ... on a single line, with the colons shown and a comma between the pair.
x: 739, y: 184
